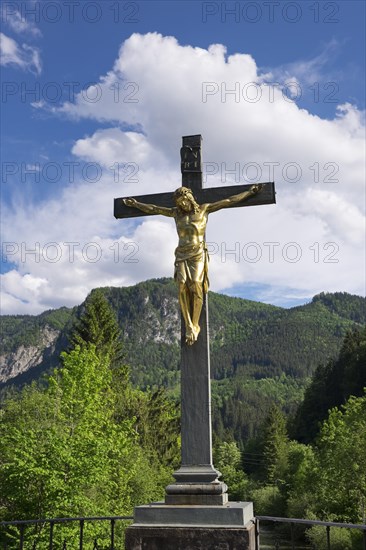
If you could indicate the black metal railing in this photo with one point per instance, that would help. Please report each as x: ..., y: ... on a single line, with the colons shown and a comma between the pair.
x: 293, y: 522
x: 107, y: 532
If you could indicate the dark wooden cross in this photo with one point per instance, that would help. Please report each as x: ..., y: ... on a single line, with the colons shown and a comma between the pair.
x: 196, y: 480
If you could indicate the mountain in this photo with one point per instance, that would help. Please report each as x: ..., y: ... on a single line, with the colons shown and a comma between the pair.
x: 32, y: 344
x: 248, y: 339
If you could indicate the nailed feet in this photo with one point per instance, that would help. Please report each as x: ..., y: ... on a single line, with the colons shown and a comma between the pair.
x: 192, y: 334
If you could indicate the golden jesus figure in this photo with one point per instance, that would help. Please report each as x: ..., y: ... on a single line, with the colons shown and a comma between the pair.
x: 191, y: 256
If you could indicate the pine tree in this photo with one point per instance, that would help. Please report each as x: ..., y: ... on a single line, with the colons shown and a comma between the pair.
x: 275, y: 446
x: 332, y: 384
x: 98, y: 325
x: 158, y: 426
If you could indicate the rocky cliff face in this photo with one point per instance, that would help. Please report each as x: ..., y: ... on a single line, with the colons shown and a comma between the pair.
x: 13, y: 364
x: 157, y: 321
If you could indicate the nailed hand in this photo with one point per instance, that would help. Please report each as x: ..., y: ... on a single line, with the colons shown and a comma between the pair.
x: 130, y: 202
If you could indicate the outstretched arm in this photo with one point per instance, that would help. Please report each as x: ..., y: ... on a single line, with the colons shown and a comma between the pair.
x: 149, y: 208
x: 234, y: 199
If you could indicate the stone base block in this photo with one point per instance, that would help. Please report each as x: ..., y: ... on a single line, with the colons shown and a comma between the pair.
x: 233, y: 514
x: 190, y: 538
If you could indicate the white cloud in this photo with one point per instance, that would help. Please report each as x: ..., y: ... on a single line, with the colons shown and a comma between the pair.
x: 26, y: 57
x: 17, y: 22
x: 308, y: 71
x: 112, y: 145
x: 319, y: 218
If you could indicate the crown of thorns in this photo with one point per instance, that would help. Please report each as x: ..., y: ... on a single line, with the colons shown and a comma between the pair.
x: 183, y: 192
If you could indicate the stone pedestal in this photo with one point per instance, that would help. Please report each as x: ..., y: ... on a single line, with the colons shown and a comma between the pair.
x: 165, y: 527
x: 196, y: 538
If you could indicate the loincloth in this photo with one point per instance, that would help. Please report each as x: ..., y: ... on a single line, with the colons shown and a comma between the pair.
x: 191, y: 265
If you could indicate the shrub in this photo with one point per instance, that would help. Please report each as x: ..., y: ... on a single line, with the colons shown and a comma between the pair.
x: 340, y: 539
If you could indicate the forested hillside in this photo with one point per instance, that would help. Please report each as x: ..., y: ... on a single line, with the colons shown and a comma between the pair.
x: 260, y: 354
x: 247, y: 338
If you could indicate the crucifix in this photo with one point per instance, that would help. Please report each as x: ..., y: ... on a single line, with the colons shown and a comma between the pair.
x: 196, y: 480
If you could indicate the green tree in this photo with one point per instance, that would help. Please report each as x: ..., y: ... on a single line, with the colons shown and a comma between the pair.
x: 62, y: 451
x: 315, y: 405
x: 298, y: 480
x: 328, y: 481
x: 98, y: 325
x: 228, y: 462
x: 275, y: 446
x: 340, y: 474
x: 352, y: 368
x: 268, y: 501
x: 157, y: 422
x: 340, y: 539
x: 331, y: 386
x: 156, y: 417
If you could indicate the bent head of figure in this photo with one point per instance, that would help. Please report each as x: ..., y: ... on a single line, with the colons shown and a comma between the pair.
x: 185, y: 200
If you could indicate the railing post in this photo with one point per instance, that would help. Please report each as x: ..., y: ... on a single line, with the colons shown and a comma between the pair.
x: 112, y: 533
x: 256, y: 530
x: 51, y: 535
x: 328, y: 537
x: 21, y: 540
x: 81, y: 534
x: 292, y: 536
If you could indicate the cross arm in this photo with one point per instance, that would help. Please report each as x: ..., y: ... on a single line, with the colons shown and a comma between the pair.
x: 267, y: 195
x: 161, y: 200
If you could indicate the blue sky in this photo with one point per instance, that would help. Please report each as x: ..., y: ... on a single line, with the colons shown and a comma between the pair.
x: 88, y: 86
